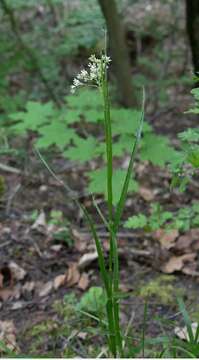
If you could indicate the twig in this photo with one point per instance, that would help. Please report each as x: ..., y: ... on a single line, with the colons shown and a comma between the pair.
x: 5, y: 244
x: 38, y: 251
x: 11, y: 197
x: 128, y: 328
x: 10, y: 169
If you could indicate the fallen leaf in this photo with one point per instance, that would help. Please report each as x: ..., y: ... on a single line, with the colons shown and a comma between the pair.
x: 73, y: 275
x: 1, y: 280
x: 28, y: 286
x: 18, y: 272
x: 56, y: 248
x: 176, y: 263
x: 80, y: 240
x: 146, y: 193
x: 82, y: 335
x: 166, y: 238
x: 45, y: 288
x: 8, y: 334
x: 59, y: 280
x: 87, y: 259
x: 182, y: 332
x: 40, y: 223
x: 194, y: 234
x: 190, y: 269
x: 83, y: 281
x: 5, y: 294
x: 188, y: 241
x: 183, y: 242
x: 17, y: 305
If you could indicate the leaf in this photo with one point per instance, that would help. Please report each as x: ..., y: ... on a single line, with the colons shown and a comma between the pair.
x: 146, y: 194
x: 193, y: 157
x: 126, y: 121
x: 176, y: 263
x: 83, y: 149
x: 59, y: 281
x: 84, y: 99
x: 93, y: 115
x: 136, y: 222
x: 73, y: 275
x: 55, y: 133
x: 87, y: 259
x: 166, y: 237
x: 83, y: 282
x: 190, y: 135
x: 18, y: 273
x: 183, y: 334
x: 40, y: 223
x: 45, y: 289
x: 98, y: 184
x: 155, y: 148
x: 36, y: 114
x: 72, y: 116
x: 8, y: 335
x: 93, y: 301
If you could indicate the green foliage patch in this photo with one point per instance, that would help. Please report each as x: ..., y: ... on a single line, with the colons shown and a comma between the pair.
x: 73, y: 128
x: 183, y: 219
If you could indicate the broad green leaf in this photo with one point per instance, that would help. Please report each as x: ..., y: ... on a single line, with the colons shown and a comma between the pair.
x: 55, y: 133
x: 36, y: 114
x: 98, y: 183
x: 72, y: 116
x: 126, y: 121
x: 83, y: 149
x: 84, y: 99
x: 93, y: 115
x: 156, y: 149
x: 93, y: 301
x: 123, y: 145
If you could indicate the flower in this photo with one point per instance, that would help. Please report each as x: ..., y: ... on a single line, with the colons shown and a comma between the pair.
x: 96, y: 70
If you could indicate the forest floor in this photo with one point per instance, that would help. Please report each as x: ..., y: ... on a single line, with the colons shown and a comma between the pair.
x: 37, y: 269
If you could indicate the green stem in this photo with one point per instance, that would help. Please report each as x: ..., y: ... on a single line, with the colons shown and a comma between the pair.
x: 113, y: 255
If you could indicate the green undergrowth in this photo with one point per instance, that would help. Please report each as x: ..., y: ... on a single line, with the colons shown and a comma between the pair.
x: 183, y: 219
x: 162, y: 289
x: 70, y: 332
x: 75, y: 131
x: 74, y: 330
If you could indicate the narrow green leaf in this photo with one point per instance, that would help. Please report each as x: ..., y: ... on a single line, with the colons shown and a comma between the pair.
x: 121, y: 203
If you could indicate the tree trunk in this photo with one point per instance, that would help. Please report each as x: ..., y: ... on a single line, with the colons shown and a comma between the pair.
x: 119, y: 52
x: 192, y: 23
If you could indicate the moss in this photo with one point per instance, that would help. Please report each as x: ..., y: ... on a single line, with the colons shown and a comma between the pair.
x: 160, y: 288
x: 2, y: 186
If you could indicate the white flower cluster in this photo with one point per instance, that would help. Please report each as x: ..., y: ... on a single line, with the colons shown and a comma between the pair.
x: 93, y: 75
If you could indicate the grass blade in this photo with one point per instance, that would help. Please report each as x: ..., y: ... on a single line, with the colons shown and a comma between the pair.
x: 121, y: 203
x: 187, y: 319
